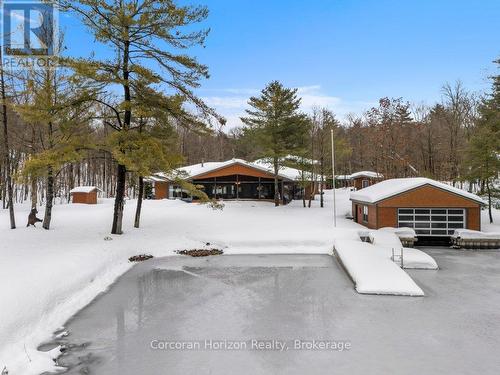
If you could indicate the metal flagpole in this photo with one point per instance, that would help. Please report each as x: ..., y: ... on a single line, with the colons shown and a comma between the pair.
x: 333, y: 176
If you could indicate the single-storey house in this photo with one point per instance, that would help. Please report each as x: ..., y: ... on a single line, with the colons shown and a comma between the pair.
x: 84, y: 194
x: 234, y: 179
x: 430, y: 207
x: 363, y: 179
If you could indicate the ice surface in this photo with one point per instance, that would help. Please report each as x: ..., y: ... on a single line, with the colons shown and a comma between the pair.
x: 287, y: 297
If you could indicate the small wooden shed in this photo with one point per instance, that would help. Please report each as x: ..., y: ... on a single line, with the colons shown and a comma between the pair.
x: 85, y: 194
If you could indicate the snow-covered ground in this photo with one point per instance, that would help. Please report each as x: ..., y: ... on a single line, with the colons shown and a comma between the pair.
x: 47, y: 276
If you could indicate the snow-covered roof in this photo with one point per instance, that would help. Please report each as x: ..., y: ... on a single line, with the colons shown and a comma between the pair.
x: 158, y: 177
x: 288, y: 172
x: 389, y: 188
x: 192, y: 171
x: 84, y: 189
x: 369, y: 174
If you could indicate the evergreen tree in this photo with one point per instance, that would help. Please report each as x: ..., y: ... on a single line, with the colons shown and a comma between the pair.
x: 484, y: 146
x: 55, y: 108
x: 140, y: 35
x: 277, y: 125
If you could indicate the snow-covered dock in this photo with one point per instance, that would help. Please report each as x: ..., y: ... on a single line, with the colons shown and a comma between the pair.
x: 372, y: 272
x: 472, y: 239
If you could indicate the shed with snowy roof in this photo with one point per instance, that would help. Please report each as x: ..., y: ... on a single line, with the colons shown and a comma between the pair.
x: 85, y: 194
x: 363, y: 179
x: 432, y: 208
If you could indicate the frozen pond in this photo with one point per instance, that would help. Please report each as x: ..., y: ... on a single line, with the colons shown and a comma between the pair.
x: 182, y: 303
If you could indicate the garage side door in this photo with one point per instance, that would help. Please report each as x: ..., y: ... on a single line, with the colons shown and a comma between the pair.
x: 432, y: 221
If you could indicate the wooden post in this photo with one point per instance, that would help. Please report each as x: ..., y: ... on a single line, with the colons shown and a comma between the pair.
x: 333, y: 181
x: 237, y: 187
x: 282, y: 193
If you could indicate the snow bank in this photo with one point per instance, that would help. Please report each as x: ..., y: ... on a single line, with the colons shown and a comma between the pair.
x: 372, y: 272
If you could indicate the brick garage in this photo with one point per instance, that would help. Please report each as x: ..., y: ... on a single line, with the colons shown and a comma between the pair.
x: 430, y: 207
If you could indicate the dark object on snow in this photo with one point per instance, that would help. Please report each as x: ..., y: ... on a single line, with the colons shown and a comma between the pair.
x: 200, y: 252
x: 32, y: 219
x: 140, y: 258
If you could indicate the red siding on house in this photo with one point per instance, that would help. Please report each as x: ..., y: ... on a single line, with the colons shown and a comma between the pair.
x: 358, y: 182
x: 357, y: 214
x: 161, y: 190
x: 234, y: 170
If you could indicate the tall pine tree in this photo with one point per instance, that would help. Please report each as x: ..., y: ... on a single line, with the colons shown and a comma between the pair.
x: 277, y: 126
x: 142, y: 37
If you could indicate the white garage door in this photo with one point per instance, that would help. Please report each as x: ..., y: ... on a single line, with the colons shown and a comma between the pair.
x: 432, y: 221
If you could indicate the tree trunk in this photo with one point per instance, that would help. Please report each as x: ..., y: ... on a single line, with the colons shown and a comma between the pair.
x: 139, y: 202
x: 50, y: 199
x: 276, y: 184
x: 71, y: 182
x: 489, y: 201
x: 34, y: 192
x: 127, y: 118
x: 119, y: 200
x: 8, y: 177
x: 322, y: 167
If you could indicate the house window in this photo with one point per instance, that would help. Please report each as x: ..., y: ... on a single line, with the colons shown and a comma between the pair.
x: 365, y: 183
x: 365, y: 214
